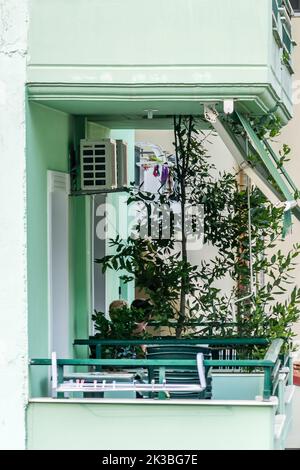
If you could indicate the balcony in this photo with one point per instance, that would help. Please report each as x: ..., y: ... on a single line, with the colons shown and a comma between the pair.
x: 230, y: 49
x: 258, y: 392
x: 168, y: 57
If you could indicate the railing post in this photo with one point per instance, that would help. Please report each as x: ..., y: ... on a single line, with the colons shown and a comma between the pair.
x: 291, y: 372
x: 60, y: 378
x: 98, y: 356
x: 281, y: 388
x: 162, y: 377
x: 267, y: 383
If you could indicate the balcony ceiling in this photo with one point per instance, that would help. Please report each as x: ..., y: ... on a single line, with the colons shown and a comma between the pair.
x: 126, y: 106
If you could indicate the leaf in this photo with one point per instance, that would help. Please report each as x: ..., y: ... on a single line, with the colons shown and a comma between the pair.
x: 115, y: 264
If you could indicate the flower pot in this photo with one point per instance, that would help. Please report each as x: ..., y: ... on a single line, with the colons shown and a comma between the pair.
x: 297, y: 374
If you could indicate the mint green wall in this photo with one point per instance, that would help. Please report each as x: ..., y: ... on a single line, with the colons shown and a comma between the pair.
x: 224, y: 47
x: 177, y: 33
x: 49, y: 134
x: 47, y: 149
x: 80, y: 268
x: 81, y: 256
x: 237, y: 386
x: 141, y: 425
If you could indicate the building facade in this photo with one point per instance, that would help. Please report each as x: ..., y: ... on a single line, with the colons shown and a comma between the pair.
x: 73, y: 70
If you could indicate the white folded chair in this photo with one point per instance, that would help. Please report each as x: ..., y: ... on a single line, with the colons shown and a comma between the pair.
x: 96, y: 386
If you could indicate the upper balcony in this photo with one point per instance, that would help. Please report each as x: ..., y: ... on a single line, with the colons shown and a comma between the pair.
x: 85, y: 56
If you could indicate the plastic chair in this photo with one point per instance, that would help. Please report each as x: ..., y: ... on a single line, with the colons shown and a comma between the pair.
x: 188, y: 375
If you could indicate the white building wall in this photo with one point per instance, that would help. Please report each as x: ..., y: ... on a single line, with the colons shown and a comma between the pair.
x: 13, y: 316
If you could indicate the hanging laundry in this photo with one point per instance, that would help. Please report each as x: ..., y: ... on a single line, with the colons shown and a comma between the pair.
x: 156, y: 171
x: 152, y: 183
x: 170, y: 183
x: 164, y: 174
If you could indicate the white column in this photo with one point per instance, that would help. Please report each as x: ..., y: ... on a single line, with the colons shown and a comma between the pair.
x: 13, y: 304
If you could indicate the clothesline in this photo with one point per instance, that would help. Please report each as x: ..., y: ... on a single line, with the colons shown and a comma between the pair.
x: 154, y: 163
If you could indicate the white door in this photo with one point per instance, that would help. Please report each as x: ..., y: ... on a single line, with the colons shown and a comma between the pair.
x: 58, y: 259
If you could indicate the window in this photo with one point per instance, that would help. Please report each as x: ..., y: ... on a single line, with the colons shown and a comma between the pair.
x: 296, y: 6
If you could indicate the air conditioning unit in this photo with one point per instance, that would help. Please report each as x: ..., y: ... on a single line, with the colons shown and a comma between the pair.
x: 122, y: 173
x: 98, y: 164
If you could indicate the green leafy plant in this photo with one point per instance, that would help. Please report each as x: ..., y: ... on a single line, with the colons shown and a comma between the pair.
x: 260, y: 302
x: 160, y: 266
x: 286, y: 58
x: 123, y: 326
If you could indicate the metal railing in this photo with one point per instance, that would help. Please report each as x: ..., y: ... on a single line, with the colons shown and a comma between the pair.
x: 282, y: 29
x: 271, y: 365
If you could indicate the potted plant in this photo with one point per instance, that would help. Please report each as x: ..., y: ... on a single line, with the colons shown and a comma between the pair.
x: 124, y: 323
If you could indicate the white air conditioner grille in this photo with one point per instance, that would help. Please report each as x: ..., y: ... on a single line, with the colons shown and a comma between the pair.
x: 122, y: 163
x: 98, y: 164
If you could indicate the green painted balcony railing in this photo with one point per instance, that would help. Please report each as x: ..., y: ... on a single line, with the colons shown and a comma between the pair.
x: 271, y: 364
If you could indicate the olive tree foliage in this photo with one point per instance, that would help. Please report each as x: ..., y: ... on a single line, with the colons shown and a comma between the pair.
x: 184, y: 295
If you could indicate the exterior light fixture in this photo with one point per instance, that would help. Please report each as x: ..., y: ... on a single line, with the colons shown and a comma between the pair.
x: 228, y: 106
x: 150, y: 112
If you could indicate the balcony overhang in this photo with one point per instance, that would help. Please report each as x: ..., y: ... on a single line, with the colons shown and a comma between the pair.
x: 124, y: 105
